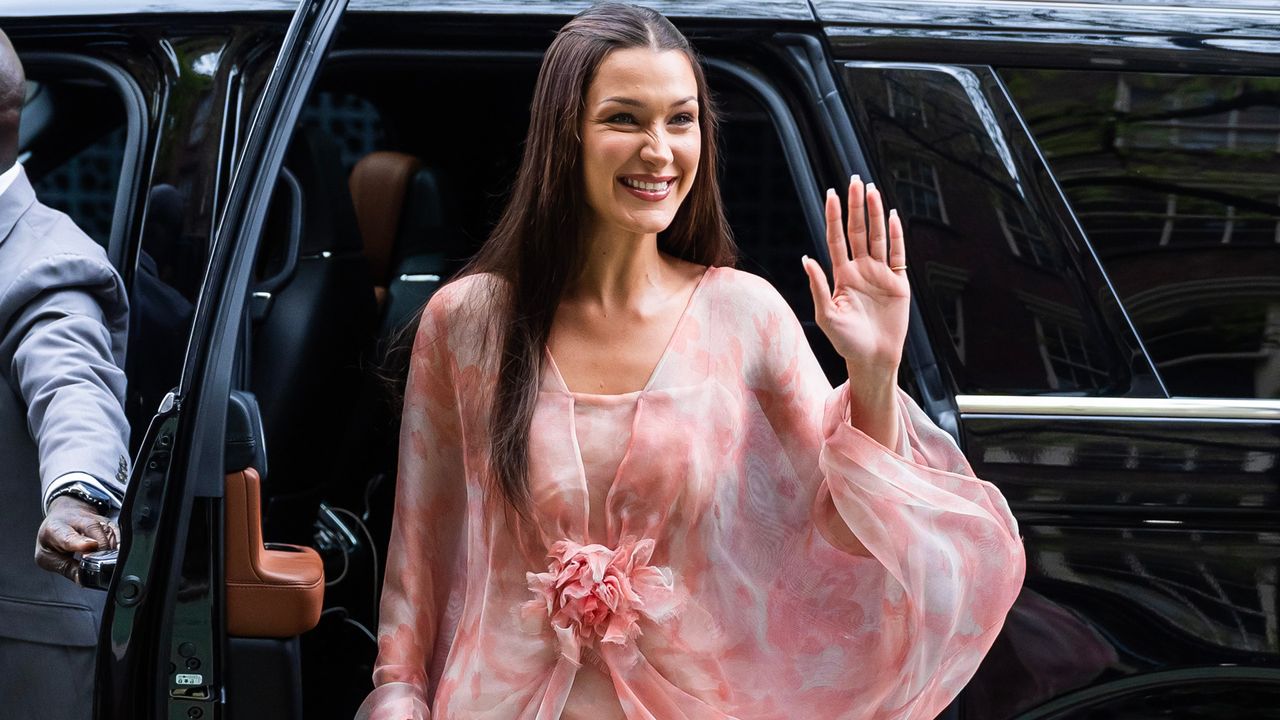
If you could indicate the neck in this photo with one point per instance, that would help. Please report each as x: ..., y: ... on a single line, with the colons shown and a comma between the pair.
x: 620, y: 266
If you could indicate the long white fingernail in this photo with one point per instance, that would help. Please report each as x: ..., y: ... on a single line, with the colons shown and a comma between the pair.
x: 854, y: 178
x: 893, y: 212
x: 871, y: 186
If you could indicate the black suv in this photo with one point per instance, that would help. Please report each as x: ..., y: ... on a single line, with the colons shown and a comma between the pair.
x: 1092, y: 192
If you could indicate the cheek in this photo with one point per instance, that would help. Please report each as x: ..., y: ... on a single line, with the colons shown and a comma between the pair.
x: 607, y: 155
x: 687, y: 154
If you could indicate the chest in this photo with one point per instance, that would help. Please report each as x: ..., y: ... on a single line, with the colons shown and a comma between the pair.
x: 599, y: 354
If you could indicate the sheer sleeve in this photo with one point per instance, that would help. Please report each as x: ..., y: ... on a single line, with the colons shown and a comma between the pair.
x: 430, y: 509
x: 944, y: 542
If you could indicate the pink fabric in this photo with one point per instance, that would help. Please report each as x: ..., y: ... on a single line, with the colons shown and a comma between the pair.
x: 712, y: 575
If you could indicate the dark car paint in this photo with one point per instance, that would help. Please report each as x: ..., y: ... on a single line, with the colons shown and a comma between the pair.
x: 1151, y: 541
x: 1151, y: 536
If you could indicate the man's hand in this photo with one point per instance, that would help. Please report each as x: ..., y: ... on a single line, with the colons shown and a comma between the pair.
x: 72, y: 526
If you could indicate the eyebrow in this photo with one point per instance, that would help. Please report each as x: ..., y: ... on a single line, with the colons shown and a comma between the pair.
x: 637, y: 103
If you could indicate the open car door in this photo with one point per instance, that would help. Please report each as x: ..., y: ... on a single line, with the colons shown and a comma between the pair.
x: 163, y: 649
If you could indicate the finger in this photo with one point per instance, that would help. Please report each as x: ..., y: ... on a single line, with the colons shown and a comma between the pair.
x: 857, y: 217
x: 877, y: 241
x: 113, y: 535
x: 96, y: 528
x: 818, y: 287
x: 61, y: 538
x: 64, y: 565
x: 835, y: 235
x: 897, y: 241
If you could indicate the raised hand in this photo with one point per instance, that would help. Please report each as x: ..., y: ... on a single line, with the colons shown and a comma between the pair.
x: 865, y: 318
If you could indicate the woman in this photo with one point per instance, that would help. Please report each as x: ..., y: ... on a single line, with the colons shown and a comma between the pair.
x: 626, y: 489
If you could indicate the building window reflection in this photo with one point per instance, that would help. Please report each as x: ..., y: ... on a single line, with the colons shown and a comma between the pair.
x: 1023, y: 234
x: 906, y: 105
x: 1068, y: 362
x: 918, y: 191
x: 1173, y: 178
x: 947, y: 284
x: 354, y: 121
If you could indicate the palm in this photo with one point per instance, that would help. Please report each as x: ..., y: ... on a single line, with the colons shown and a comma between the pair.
x: 865, y: 317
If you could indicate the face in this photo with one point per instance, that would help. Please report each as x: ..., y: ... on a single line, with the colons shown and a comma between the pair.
x: 640, y: 139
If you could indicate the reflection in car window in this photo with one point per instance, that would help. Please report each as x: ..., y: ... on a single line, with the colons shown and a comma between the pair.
x: 1174, y: 178
x: 84, y: 186
x: 999, y: 294
x: 350, y: 119
x: 73, y: 157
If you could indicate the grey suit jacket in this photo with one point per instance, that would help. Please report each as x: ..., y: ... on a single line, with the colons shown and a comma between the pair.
x: 63, y: 325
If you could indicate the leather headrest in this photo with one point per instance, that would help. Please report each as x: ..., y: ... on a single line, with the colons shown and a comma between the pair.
x: 379, y: 183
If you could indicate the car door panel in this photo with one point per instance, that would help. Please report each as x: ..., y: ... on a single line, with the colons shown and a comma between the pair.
x: 1148, y: 520
x: 179, y: 595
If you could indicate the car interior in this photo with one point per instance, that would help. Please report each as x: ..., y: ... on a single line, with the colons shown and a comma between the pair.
x: 391, y: 182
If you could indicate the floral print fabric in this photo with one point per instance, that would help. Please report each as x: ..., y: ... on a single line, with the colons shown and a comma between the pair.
x: 747, y: 554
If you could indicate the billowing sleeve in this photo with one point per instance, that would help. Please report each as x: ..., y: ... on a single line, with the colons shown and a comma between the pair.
x: 948, y: 559
x: 429, y: 519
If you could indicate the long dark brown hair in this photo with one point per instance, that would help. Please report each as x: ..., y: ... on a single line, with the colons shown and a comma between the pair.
x: 537, y: 245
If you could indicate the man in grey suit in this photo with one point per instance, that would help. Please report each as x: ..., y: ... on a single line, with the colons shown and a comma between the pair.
x: 63, y: 434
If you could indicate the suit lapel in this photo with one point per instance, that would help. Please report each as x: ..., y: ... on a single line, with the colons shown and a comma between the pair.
x: 14, y: 203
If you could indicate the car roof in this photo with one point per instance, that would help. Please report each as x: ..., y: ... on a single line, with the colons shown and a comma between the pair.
x: 1196, y: 17
x: 1239, y: 20
x: 755, y: 9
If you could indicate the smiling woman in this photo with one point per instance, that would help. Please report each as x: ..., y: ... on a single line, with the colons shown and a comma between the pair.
x: 626, y: 488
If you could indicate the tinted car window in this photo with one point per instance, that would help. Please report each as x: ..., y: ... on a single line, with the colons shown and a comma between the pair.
x: 1002, y: 297
x: 760, y: 197
x: 72, y: 154
x: 1174, y: 178
x: 350, y: 119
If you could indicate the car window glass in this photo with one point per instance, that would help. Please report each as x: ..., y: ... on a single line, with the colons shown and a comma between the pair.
x: 351, y: 119
x: 72, y: 145
x: 1002, y: 297
x: 1174, y: 178
x: 760, y: 197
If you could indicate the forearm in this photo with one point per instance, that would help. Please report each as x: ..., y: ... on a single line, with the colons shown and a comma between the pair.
x: 74, y: 394
x: 873, y: 404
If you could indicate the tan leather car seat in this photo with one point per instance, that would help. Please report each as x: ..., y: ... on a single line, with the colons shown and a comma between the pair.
x: 379, y: 183
x: 272, y: 590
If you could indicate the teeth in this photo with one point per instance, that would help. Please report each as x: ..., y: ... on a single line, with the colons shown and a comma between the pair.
x: 652, y: 187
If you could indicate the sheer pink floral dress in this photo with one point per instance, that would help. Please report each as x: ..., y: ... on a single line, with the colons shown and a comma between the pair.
x: 687, y: 553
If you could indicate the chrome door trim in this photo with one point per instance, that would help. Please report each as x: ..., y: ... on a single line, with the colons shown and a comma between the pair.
x: 1177, y: 408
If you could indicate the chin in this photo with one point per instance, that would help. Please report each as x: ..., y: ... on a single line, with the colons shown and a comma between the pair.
x: 648, y: 223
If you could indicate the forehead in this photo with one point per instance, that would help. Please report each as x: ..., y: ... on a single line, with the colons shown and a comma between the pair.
x: 643, y: 74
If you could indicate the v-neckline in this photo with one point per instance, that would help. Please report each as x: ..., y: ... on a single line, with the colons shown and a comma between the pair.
x: 662, y: 359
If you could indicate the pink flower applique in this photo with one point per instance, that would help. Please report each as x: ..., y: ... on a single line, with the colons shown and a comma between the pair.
x: 598, y: 593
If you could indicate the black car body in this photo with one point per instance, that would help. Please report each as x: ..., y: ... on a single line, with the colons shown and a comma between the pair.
x: 1092, y: 195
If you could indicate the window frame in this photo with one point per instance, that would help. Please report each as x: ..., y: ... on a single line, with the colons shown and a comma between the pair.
x: 122, y: 246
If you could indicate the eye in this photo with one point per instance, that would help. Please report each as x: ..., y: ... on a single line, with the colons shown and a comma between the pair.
x: 684, y: 119
x: 621, y: 118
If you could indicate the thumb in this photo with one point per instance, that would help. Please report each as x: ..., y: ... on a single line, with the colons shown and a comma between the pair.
x: 818, y: 286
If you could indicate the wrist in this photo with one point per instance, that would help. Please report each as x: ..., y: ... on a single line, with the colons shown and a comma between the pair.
x: 70, y: 502
x: 86, y: 496
x: 873, y: 405
x: 872, y: 375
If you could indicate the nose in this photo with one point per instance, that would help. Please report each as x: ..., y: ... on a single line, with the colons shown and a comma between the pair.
x: 656, y: 150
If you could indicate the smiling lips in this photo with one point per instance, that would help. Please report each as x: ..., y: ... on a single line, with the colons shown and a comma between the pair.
x: 651, y: 188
